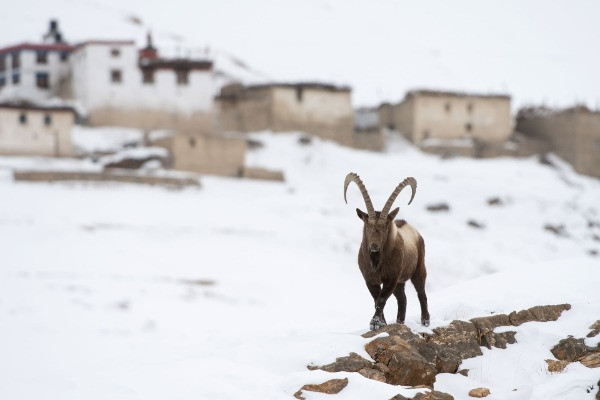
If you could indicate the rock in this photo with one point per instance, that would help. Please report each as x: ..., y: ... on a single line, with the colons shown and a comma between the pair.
x: 332, y: 386
x: 556, y: 365
x: 485, y: 330
x: 558, y: 230
x: 351, y: 363
x: 372, y: 373
x: 460, y: 336
x: 479, y: 392
x: 538, y: 313
x: 571, y: 349
x: 437, y: 207
x: 431, y: 395
x: 495, y: 201
x: 464, y: 372
x: 474, y: 224
x: 405, y: 366
x: 591, y: 360
x: 595, y: 327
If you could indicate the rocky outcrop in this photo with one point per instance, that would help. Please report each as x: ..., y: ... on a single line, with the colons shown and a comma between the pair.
x: 332, y: 386
x: 406, y: 358
x: 571, y: 349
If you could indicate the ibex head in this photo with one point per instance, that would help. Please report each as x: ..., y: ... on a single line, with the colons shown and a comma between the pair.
x: 377, y: 224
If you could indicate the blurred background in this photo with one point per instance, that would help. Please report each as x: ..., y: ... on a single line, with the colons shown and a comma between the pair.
x: 172, y: 222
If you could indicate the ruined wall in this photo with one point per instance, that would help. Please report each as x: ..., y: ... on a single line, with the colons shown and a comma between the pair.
x: 244, y: 110
x: 573, y: 134
x: 206, y: 155
x: 28, y: 132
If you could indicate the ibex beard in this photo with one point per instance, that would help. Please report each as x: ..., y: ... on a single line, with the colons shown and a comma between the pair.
x: 391, y: 252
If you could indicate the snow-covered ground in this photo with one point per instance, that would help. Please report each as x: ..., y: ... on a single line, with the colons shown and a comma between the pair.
x: 229, y: 291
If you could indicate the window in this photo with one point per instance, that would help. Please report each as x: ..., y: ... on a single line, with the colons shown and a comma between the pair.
x: 147, y: 75
x: 16, y: 78
x: 64, y: 55
x: 182, y: 76
x: 22, y: 118
x: 115, y: 52
x: 468, y: 127
x: 2, y: 63
x: 116, y: 76
x: 16, y: 60
x: 299, y: 94
x: 448, y: 107
x: 47, y: 119
x: 42, y: 57
x: 41, y: 80
x: 2, y: 81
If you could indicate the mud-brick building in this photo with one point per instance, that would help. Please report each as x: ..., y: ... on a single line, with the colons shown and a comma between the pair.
x: 320, y: 109
x: 472, y: 124
x: 32, y: 130
x: 572, y: 133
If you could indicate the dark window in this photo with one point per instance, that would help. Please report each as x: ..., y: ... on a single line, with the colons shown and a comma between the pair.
x: 115, y: 76
x: 16, y: 60
x: 42, y: 57
x: 182, y: 76
x: 147, y: 75
x: 42, y: 80
x: 115, y: 52
x: 2, y: 63
x: 448, y: 107
x: 2, y: 81
x: 16, y: 78
x: 22, y: 118
x: 64, y: 56
x: 299, y: 94
x: 468, y: 127
x: 47, y: 119
x: 470, y: 107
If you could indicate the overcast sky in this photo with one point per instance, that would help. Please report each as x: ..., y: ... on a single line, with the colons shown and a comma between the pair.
x: 537, y: 51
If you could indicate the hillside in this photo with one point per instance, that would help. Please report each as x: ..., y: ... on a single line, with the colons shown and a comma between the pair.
x: 231, y: 290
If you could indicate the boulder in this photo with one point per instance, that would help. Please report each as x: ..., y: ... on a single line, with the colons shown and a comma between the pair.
x: 351, y: 363
x: 373, y: 373
x: 595, y: 327
x: 556, y: 365
x: 459, y: 336
x: 485, y: 329
x: 479, y: 392
x: 332, y: 386
x: 571, y: 349
x: 591, y: 360
x: 538, y: 313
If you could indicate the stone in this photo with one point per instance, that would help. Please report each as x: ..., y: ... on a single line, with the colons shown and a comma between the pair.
x: 485, y: 330
x: 595, y: 327
x: 464, y: 372
x: 479, y: 392
x: 351, y: 363
x: 556, y: 365
x: 437, y: 207
x: 460, y: 336
x: 571, y: 349
x: 538, y: 313
x: 404, y: 365
x: 591, y: 360
x: 372, y: 373
x: 431, y: 395
x: 332, y: 386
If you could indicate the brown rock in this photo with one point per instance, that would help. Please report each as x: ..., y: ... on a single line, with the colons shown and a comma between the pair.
x: 351, y: 363
x: 556, y: 365
x: 431, y: 395
x: 538, y: 313
x: 485, y: 329
x: 591, y: 360
x: 460, y: 336
x: 595, y: 327
x: 332, y: 386
x: 479, y: 392
x: 464, y: 372
x: 372, y: 373
x: 571, y: 349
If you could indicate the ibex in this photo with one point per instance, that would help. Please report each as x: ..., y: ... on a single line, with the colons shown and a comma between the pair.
x: 391, y: 253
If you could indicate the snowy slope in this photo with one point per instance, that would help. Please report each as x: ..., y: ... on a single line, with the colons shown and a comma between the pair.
x: 229, y: 291
x: 538, y: 51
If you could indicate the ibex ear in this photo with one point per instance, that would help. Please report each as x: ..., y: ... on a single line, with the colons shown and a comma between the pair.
x: 392, y: 216
x: 363, y: 216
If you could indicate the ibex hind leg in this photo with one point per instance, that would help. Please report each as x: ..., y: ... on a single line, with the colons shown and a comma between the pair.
x: 419, y: 284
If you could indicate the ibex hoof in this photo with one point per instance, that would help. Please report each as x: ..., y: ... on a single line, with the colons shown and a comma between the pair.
x: 377, y: 323
x: 425, y: 322
x: 400, y: 321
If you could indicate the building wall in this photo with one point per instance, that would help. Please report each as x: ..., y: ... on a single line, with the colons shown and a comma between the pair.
x: 206, y: 155
x: 573, y: 134
x: 34, y: 137
x: 403, y: 118
x: 328, y: 114
x: 486, y: 119
x: 26, y: 88
x: 92, y: 84
x: 245, y: 111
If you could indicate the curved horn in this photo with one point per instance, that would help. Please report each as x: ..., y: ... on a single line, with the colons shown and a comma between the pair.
x: 408, y: 181
x: 352, y: 177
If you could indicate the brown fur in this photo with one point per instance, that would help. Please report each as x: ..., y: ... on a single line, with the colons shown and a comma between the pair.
x: 401, y: 257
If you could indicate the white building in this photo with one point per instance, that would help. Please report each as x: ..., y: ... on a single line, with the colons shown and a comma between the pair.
x: 35, y: 72
x: 34, y: 130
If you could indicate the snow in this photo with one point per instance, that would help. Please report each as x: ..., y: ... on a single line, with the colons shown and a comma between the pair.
x: 231, y: 290
x: 108, y: 139
x: 540, y: 52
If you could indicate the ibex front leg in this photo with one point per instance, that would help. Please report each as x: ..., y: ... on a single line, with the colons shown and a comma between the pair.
x: 380, y: 295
